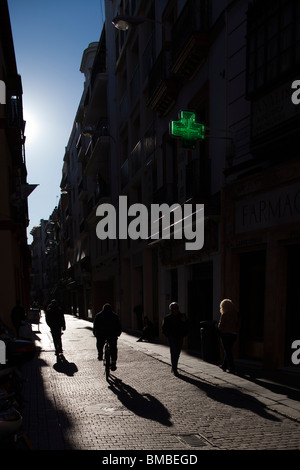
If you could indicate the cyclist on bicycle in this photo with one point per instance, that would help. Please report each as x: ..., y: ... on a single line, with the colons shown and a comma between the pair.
x: 107, y: 326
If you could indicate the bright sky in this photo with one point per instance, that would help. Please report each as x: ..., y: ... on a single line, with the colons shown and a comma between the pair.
x: 49, y: 39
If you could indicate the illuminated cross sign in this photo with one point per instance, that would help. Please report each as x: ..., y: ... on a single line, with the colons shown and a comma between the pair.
x: 187, y: 129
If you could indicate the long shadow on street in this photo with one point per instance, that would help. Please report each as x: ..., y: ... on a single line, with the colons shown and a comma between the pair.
x: 146, y: 405
x: 231, y: 397
x: 44, y: 421
x: 285, y: 384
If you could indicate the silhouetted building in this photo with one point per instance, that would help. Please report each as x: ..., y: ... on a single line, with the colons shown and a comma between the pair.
x: 261, y: 198
x: 14, y: 190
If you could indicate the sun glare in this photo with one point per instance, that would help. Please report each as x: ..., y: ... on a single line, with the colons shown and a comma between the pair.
x: 31, y: 128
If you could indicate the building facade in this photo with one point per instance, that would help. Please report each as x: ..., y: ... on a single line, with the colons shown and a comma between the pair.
x: 14, y: 190
x: 174, y: 61
x: 261, y: 211
x: 85, y: 184
x: 232, y: 63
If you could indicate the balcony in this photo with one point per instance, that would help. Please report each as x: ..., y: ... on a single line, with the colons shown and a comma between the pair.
x: 190, y: 39
x: 81, y: 148
x: 163, y: 86
x: 97, y: 155
x: 15, y: 122
x: 95, y: 104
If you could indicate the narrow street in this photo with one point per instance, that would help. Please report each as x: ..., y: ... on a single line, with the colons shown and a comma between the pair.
x: 70, y: 405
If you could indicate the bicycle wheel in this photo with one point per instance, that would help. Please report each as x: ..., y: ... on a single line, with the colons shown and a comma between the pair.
x: 107, y: 360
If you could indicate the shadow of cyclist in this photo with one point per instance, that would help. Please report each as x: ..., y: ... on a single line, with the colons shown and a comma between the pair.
x: 144, y: 405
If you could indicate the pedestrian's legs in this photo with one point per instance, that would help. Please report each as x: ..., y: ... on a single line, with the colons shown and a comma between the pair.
x: 113, y: 349
x: 175, y: 349
x: 228, y: 341
x: 100, y: 344
x: 56, y: 336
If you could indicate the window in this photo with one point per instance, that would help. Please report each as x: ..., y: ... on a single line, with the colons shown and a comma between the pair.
x: 273, y: 41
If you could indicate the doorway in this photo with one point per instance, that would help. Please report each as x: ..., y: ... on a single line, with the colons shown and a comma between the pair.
x: 200, y: 301
x: 252, y: 304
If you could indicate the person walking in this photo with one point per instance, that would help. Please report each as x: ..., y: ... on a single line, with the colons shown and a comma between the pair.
x: 56, y: 321
x: 174, y: 328
x: 228, y: 329
x: 107, y: 326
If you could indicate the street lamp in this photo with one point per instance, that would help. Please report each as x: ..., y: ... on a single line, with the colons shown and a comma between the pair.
x: 88, y: 132
x: 124, y: 22
x: 66, y: 190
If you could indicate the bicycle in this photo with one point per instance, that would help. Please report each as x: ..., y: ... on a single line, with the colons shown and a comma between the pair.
x: 106, y: 359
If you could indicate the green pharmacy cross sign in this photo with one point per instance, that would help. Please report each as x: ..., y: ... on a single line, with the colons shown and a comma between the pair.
x: 187, y: 129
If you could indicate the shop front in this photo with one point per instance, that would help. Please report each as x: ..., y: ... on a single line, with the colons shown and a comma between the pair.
x: 261, y: 234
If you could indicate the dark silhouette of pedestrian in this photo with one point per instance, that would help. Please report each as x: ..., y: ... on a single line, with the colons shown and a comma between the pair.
x: 107, y: 326
x: 147, y: 331
x: 175, y: 328
x: 56, y: 321
x: 228, y: 329
x: 18, y: 316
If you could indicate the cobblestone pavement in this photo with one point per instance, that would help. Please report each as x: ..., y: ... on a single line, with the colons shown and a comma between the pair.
x: 69, y: 405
